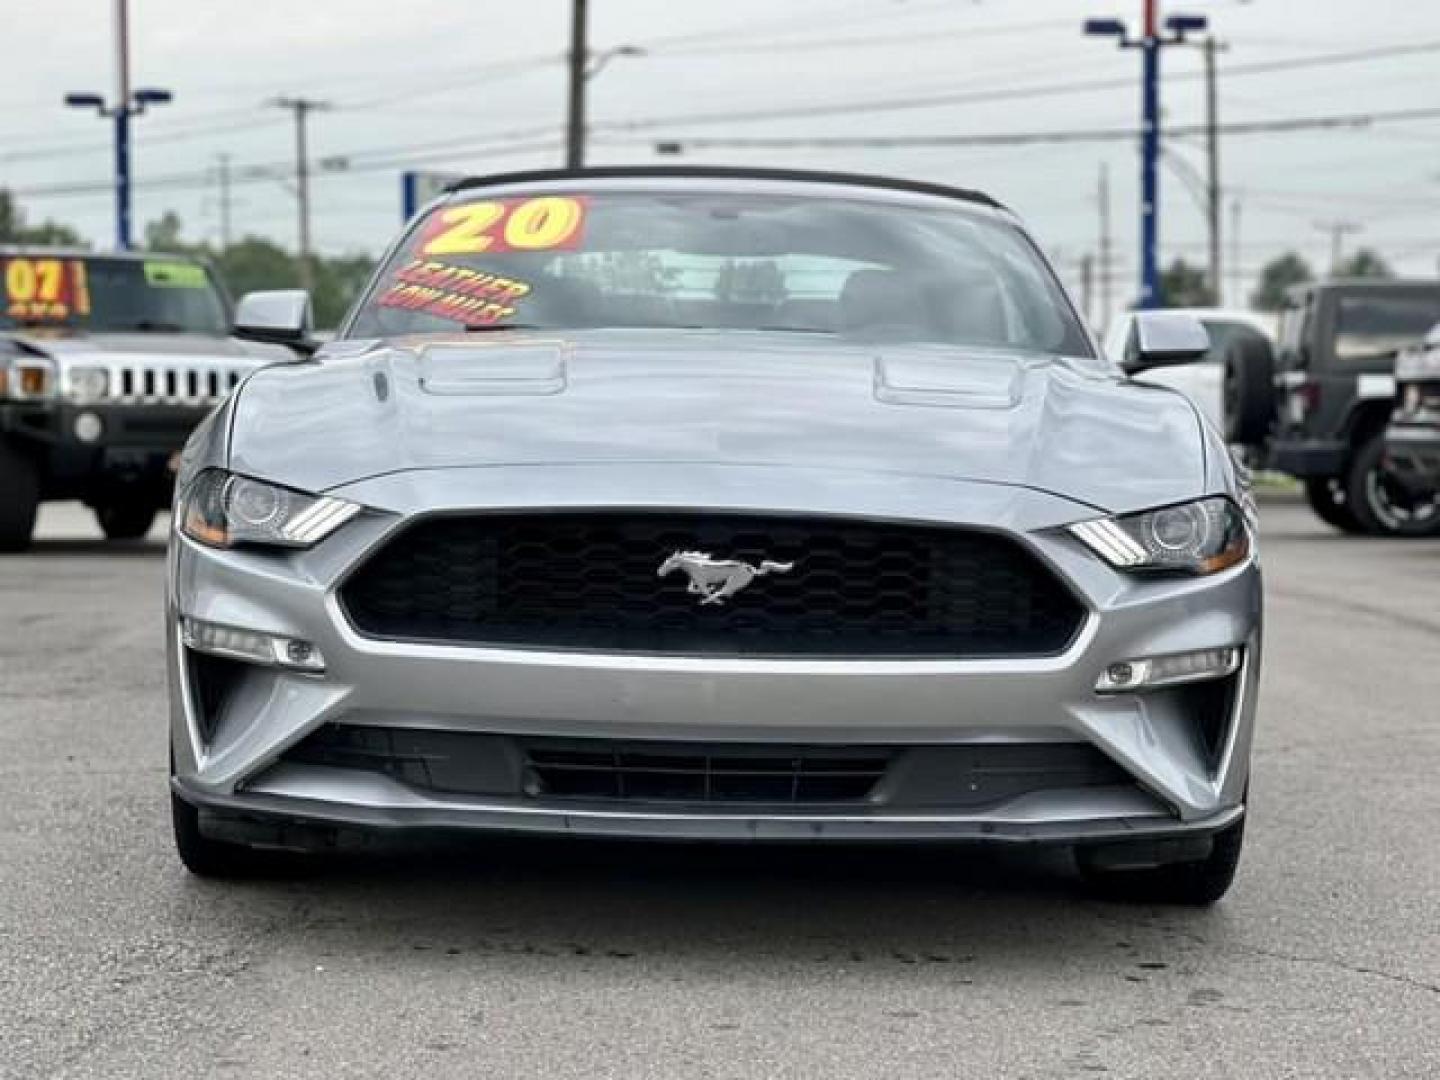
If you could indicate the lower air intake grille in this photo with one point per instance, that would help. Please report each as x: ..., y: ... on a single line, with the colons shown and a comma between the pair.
x: 685, y: 773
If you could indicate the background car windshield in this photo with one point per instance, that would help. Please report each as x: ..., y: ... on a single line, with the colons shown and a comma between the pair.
x: 807, y: 264
x: 109, y: 295
x: 1374, y: 325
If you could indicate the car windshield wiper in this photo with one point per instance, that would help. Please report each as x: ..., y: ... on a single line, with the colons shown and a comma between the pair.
x: 487, y: 328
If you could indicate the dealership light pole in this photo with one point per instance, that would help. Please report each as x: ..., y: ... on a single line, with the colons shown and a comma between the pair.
x: 1150, y: 43
x: 127, y: 103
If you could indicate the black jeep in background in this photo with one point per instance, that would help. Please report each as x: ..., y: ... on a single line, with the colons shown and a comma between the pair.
x: 1317, y: 405
x: 1412, y: 443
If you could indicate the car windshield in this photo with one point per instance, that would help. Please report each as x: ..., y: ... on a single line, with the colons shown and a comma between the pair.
x: 1376, y: 325
x: 109, y: 295
x: 861, y: 269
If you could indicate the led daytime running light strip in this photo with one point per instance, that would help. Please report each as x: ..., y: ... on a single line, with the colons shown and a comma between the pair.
x: 324, y: 517
x: 1105, y: 536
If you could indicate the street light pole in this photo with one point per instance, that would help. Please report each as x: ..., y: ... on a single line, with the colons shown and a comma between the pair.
x: 579, y: 56
x: 127, y: 103
x: 1150, y: 164
x: 122, y: 125
x: 1151, y: 42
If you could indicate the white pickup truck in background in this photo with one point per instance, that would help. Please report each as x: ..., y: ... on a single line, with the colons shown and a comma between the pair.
x: 1202, y: 382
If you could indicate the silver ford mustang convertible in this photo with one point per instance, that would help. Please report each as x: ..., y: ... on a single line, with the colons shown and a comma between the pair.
x: 713, y: 504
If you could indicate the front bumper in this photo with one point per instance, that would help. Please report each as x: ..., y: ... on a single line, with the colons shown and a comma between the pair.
x: 1307, y: 458
x: 234, y: 763
x: 134, y: 441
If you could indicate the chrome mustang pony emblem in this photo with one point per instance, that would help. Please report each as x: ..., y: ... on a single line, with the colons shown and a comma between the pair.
x: 716, y: 580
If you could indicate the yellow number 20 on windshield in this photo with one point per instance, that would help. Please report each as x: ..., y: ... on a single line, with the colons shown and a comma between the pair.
x: 549, y: 223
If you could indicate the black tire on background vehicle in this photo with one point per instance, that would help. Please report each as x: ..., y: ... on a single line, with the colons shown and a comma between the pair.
x: 209, y: 858
x: 1327, y: 499
x: 1383, y: 506
x: 19, y: 498
x: 125, y: 521
x: 1249, y: 390
x: 1195, y: 884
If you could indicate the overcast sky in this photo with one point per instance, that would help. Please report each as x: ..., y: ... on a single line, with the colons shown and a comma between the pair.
x: 479, y: 86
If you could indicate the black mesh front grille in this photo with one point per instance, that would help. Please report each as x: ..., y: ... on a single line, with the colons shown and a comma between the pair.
x: 591, y: 581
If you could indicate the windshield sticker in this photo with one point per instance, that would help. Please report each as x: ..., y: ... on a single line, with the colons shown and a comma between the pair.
x: 550, y: 223
x: 456, y: 293
x: 175, y: 275
x: 45, y: 290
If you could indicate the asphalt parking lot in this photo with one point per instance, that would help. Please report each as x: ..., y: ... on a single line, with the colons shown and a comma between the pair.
x: 585, y: 960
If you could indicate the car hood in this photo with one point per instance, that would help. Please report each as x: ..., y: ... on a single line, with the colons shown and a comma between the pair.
x: 73, y: 345
x: 1067, y: 427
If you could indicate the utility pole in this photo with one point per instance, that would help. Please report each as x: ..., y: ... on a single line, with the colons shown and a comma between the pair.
x: 1087, y: 288
x: 1105, y: 248
x: 302, y: 108
x: 579, y: 57
x: 1338, y: 229
x: 1237, y: 277
x: 1212, y: 153
x: 223, y: 176
x: 127, y: 103
x: 1150, y: 43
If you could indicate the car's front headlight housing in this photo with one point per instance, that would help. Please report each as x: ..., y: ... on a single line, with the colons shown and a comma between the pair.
x: 27, y: 379
x: 222, y: 509
x: 1200, y: 537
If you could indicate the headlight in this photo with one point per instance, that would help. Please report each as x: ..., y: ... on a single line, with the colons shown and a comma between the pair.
x: 27, y: 380
x: 222, y: 509
x: 1193, y: 538
x: 87, y: 383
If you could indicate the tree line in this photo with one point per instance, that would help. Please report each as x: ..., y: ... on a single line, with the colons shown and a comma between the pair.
x: 1184, y: 284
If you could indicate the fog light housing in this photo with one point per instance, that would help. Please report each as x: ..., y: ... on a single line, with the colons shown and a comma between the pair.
x: 1154, y: 672
x: 89, y: 427
x: 253, y: 646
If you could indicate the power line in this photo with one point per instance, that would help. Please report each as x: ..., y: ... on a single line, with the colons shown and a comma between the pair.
x: 1021, y: 138
x: 873, y: 105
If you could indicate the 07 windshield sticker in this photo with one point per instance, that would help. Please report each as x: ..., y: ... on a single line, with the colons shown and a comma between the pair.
x: 457, y: 293
x: 549, y: 223
x: 45, y: 290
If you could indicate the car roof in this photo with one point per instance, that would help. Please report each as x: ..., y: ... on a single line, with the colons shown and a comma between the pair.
x: 727, y: 172
x: 1297, y: 293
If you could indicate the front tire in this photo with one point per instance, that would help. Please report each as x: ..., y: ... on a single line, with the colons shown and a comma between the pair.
x: 1198, y: 883
x: 19, y: 498
x: 209, y: 858
x: 1330, y: 505
x: 1382, y: 506
x: 125, y: 521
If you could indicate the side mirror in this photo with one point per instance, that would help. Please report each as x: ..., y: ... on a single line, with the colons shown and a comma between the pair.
x: 279, y: 317
x: 1163, y: 339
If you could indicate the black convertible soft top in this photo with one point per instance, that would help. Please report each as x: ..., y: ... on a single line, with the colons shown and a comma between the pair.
x: 728, y: 172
